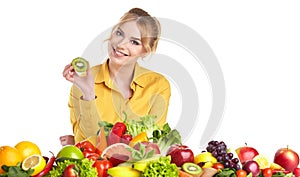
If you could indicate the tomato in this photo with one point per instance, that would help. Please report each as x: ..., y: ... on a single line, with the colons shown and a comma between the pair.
x: 102, y: 166
x: 267, y: 172
x: 218, y: 166
x: 86, y: 146
x: 241, y: 173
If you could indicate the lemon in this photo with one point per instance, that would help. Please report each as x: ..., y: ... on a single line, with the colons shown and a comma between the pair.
x: 35, y: 162
x: 275, y: 166
x: 208, y: 164
x: 205, y: 157
x: 262, y: 161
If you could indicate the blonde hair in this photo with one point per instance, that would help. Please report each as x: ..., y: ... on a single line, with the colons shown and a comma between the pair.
x: 149, y: 27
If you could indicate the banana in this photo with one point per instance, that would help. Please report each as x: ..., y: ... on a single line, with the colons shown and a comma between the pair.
x: 142, y: 164
x: 123, y: 171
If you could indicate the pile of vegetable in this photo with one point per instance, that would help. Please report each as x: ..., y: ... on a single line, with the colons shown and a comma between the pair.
x: 145, y: 129
x: 145, y: 141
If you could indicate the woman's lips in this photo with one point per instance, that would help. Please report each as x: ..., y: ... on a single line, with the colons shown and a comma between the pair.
x: 119, y: 53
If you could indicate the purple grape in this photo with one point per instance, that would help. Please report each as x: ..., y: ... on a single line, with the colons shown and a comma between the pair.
x: 230, y: 155
x: 235, y: 160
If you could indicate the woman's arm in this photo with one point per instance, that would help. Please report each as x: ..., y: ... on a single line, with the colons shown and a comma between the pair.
x: 160, y: 102
x: 83, y: 114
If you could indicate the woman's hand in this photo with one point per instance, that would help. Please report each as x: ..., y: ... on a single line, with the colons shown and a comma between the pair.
x: 67, y: 140
x: 84, y: 83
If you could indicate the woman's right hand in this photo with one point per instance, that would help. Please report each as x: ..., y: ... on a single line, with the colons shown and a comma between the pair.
x: 84, y: 83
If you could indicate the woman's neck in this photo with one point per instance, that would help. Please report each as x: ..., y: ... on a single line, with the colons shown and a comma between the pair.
x: 122, y: 77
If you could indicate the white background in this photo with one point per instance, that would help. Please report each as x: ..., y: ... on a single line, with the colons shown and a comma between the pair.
x: 256, y: 43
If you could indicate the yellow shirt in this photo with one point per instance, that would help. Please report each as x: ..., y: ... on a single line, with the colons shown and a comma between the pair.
x: 151, y: 94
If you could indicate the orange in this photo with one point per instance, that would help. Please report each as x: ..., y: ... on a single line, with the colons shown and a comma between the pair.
x: 117, y: 148
x: 9, y: 156
x: 27, y: 148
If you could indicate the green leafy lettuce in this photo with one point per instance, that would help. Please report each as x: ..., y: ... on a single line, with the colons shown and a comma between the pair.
x: 168, y: 139
x: 85, y: 166
x: 145, y: 124
x: 161, y: 167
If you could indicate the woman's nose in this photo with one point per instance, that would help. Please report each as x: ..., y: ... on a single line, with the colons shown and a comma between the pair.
x: 123, y: 42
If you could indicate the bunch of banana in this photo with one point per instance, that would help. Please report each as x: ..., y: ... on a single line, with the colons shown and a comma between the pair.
x: 123, y: 171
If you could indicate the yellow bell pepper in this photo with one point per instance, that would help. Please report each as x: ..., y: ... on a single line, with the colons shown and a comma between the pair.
x: 138, y: 138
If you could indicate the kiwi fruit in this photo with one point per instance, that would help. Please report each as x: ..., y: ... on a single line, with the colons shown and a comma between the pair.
x: 191, y: 168
x: 80, y: 64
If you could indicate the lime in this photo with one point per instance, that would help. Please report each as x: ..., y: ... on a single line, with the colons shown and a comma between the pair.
x: 70, y: 151
x: 35, y: 162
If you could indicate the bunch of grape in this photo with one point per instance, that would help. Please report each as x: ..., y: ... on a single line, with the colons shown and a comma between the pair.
x: 219, y: 151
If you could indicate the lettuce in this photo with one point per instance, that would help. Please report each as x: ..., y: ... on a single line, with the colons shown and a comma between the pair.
x: 167, y: 140
x: 85, y: 166
x: 145, y: 124
x: 161, y: 167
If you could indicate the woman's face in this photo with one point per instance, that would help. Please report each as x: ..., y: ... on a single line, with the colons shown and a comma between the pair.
x: 125, y: 45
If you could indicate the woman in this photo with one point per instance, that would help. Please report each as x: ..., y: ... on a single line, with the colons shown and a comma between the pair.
x: 119, y: 84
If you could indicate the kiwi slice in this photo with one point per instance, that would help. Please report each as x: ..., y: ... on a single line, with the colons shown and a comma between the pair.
x: 80, y: 64
x: 191, y: 168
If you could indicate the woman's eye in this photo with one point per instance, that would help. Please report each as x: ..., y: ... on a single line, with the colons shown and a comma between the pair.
x: 135, y: 42
x: 118, y: 33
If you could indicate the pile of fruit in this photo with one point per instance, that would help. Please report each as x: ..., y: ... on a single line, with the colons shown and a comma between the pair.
x: 142, y: 149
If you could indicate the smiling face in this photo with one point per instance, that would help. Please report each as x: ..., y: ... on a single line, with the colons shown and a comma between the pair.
x: 125, y: 45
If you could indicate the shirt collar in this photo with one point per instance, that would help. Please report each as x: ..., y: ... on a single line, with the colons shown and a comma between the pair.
x: 103, y: 74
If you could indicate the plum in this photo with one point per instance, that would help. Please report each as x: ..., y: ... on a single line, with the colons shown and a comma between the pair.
x: 251, y: 166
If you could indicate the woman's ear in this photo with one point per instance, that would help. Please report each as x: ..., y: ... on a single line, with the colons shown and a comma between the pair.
x: 144, y: 54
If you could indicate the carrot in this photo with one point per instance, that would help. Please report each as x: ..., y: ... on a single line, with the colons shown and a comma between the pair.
x: 101, y: 140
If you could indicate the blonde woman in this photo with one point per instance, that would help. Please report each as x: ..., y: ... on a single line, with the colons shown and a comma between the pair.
x: 119, y: 84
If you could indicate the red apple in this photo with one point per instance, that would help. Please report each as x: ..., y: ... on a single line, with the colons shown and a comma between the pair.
x: 246, y: 153
x: 180, y: 154
x: 296, y: 172
x: 148, y: 147
x: 286, y: 158
x: 251, y: 166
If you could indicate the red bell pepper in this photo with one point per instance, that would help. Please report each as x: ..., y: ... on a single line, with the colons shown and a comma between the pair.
x: 102, y: 166
x: 86, y: 146
x: 91, y: 155
x: 126, y: 138
x: 116, y: 133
